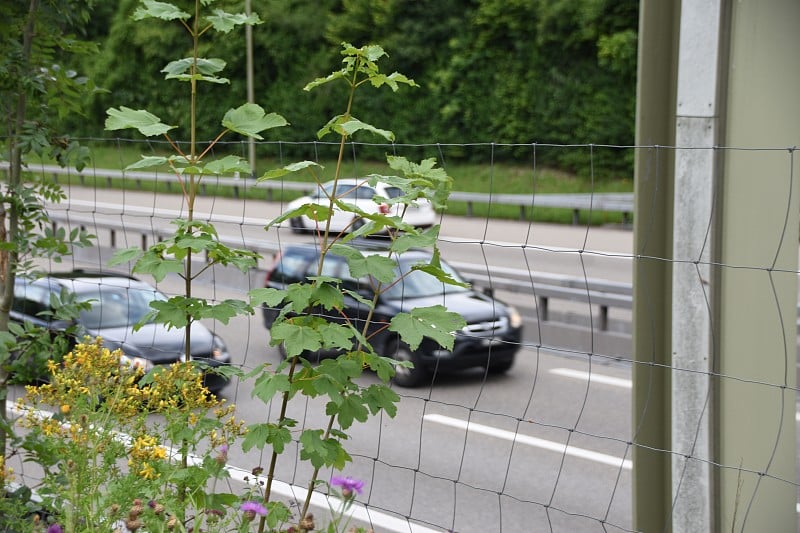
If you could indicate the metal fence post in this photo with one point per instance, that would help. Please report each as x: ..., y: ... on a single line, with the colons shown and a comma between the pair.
x: 651, y: 277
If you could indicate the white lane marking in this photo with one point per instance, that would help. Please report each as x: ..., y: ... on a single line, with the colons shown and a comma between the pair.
x: 593, y: 377
x: 530, y: 441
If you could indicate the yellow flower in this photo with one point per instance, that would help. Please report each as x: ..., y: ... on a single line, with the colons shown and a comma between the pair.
x: 6, y: 473
x: 65, y: 408
x: 148, y: 472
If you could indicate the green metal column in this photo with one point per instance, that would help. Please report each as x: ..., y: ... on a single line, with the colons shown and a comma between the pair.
x: 757, y: 324
x: 658, y: 41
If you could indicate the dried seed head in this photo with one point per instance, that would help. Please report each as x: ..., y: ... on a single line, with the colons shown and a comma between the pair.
x: 307, y: 523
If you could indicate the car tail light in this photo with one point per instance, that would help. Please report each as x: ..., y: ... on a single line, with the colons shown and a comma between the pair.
x: 384, y: 209
x: 272, y: 268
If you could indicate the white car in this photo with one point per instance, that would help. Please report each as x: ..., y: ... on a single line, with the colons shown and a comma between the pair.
x: 361, y: 194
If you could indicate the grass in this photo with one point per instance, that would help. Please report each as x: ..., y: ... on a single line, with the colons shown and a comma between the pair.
x: 469, y: 177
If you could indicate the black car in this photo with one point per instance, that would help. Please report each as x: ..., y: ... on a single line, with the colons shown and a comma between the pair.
x: 118, y: 303
x: 490, y: 339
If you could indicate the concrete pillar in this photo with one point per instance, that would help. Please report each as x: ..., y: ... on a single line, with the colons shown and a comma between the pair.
x: 700, y: 59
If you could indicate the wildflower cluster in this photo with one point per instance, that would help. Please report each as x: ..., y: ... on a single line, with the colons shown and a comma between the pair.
x: 107, y: 444
x: 91, y: 427
x: 6, y: 472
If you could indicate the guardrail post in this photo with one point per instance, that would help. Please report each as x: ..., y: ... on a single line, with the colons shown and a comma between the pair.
x: 603, y: 318
x: 543, y: 313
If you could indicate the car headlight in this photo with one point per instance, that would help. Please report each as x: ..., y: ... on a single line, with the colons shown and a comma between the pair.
x: 514, y: 318
x: 219, y: 351
x: 136, y: 362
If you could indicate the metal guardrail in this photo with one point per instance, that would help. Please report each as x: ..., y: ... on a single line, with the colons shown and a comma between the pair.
x: 602, y: 294
x: 611, y: 202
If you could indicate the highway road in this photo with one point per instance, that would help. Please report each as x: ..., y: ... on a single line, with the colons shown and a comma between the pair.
x: 543, y: 447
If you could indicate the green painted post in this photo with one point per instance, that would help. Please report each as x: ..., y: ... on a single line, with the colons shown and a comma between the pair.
x: 758, y: 303
x: 658, y: 22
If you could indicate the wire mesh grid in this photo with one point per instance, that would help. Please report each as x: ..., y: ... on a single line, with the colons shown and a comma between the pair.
x: 546, y: 446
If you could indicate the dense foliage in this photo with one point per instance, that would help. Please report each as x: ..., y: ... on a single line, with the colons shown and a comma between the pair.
x: 552, y: 72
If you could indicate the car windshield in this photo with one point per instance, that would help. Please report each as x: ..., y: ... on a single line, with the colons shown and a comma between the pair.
x: 418, y: 284
x: 347, y: 191
x: 116, y: 307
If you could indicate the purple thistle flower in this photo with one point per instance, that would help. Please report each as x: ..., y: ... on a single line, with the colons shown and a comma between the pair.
x: 55, y: 528
x: 347, y: 484
x: 251, y: 509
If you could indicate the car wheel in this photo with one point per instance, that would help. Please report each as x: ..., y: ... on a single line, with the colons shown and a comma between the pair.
x: 501, y: 367
x: 404, y: 376
x: 357, y: 224
x: 297, y: 225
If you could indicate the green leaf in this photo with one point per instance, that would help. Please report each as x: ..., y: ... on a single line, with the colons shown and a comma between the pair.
x: 157, y: 266
x: 337, y: 75
x: 269, y: 384
x: 250, y: 119
x: 204, y: 66
x: 296, y: 338
x: 436, y: 271
x: 146, y: 123
x: 148, y: 162
x: 195, y: 243
x: 322, y: 452
x: 381, y: 267
x: 336, y: 336
x: 266, y: 295
x: 228, y: 165
x: 434, y: 322
x: 408, y: 240
x: 259, y: 435
x: 288, y: 169
x: 226, y: 310
x: 316, y: 212
x: 170, y: 314
x: 325, y: 293
x: 225, y: 22
x: 380, y: 397
x: 127, y: 255
x: 299, y: 296
x: 348, y: 411
x: 347, y: 126
x: 392, y: 80
x: 160, y: 10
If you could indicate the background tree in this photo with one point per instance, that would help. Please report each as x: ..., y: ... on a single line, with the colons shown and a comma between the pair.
x: 38, y: 89
x: 506, y: 71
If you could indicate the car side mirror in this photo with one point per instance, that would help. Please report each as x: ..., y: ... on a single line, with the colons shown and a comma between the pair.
x: 478, y: 287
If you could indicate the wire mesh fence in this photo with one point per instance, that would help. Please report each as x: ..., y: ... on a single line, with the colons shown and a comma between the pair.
x: 547, y: 445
